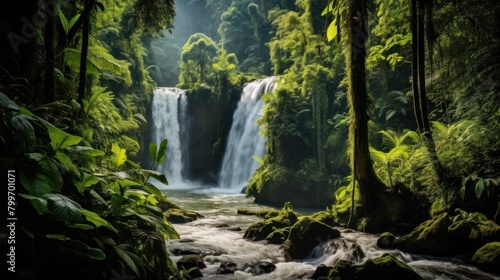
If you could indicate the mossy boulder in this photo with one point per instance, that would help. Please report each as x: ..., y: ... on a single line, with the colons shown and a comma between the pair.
x: 327, y: 217
x: 306, y: 234
x: 378, y: 268
x: 470, y: 231
x: 386, y: 240
x: 177, y: 215
x: 430, y: 238
x: 446, y: 235
x: 264, y: 228
x: 488, y: 257
x: 278, y: 236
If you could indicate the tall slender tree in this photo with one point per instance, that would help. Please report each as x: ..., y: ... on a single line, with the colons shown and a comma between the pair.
x: 419, y: 9
x: 369, y: 184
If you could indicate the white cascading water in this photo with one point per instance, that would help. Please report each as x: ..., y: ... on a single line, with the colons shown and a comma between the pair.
x: 168, y: 108
x: 244, y: 140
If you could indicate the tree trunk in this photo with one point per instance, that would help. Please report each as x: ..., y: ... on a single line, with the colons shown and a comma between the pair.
x: 419, y: 88
x: 83, y: 61
x: 49, y: 55
x: 369, y: 184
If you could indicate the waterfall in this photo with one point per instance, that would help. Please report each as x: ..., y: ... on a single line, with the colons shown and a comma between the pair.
x: 168, y: 111
x: 244, y: 140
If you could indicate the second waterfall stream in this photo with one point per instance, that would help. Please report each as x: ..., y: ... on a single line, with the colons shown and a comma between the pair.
x: 244, y: 140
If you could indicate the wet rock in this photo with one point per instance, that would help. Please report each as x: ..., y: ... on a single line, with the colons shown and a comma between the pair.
x: 386, y: 240
x: 321, y: 272
x: 305, y: 235
x: 189, y: 248
x: 263, y: 267
x: 193, y: 262
x: 347, y: 248
x: 175, y: 214
x: 234, y: 228
x: 227, y: 268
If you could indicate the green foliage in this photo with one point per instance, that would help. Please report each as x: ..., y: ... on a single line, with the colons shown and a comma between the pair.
x: 197, y: 55
x: 480, y: 184
x: 466, y: 217
x: 104, y: 206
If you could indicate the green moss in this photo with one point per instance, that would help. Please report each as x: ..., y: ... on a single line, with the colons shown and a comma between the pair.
x: 488, y: 257
x: 438, y: 206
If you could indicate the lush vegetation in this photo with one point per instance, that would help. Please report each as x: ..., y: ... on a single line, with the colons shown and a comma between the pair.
x: 73, y: 96
x: 378, y: 103
x: 374, y: 92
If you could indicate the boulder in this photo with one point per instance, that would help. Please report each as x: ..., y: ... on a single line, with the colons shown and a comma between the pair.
x: 488, y: 257
x: 262, y: 229
x: 193, y: 262
x: 429, y: 238
x: 176, y: 214
x: 227, y: 268
x: 263, y: 267
x: 306, y: 234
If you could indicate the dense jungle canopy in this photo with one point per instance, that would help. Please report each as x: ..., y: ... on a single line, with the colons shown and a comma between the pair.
x: 386, y: 113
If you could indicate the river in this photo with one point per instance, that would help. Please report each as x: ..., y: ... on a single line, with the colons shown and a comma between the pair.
x: 219, y: 236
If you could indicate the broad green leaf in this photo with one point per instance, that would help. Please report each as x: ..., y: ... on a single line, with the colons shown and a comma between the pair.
x: 7, y: 103
x: 97, y: 220
x: 126, y: 183
x: 36, y: 184
x: 81, y: 249
x: 331, y: 32
x: 66, y: 162
x: 119, y: 155
x: 64, y: 21
x: 63, y: 208
x: 38, y: 203
x: 152, y: 150
x: 53, y: 175
x: 157, y: 175
x: 23, y: 126
x: 128, y: 257
x: 117, y: 201
x: 152, y: 189
x: 88, y: 180
x: 87, y: 134
x: 91, y: 152
x: 462, y: 192
x: 479, y: 188
x: 61, y: 140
